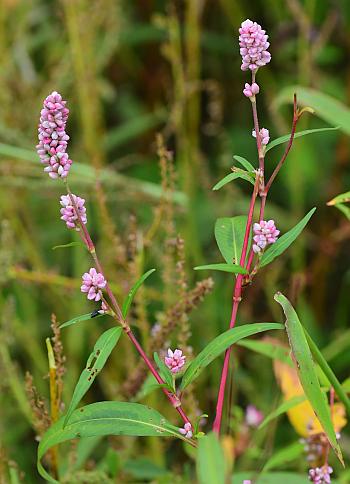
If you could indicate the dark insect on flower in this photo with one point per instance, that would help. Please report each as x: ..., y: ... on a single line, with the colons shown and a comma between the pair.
x: 94, y: 313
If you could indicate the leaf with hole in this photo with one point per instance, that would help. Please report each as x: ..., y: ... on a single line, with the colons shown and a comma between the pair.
x: 229, y: 235
x: 106, y: 418
x: 132, y: 292
x: 233, y: 268
x: 306, y: 371
x: 96, y: 361
x: 285, y: 240
x: 220, y: 344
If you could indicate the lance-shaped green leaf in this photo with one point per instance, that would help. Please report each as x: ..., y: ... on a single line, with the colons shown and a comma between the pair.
x: 132, y: 292
x: 237, y: 173
x: 78, y: 319
x: 285, y: 455
x: 328, y: 372
x: 299, y: 134
x: 229, y: 235
x: 106, y: 418
x: 233, y: 268
x: 210, y: 460
x: 344, y: 209
x: 306, y: 371
x: 245, y: 163
x: 220, y: 344
x: 283, y: 408
x: 268, y: 349
x: 96, y: 361
x: 71, y: 244
x: 165, y: 373
x: 285, y: 240
x: 342, y: 198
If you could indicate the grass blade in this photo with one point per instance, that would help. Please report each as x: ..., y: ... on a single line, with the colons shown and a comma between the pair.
x: 134, y: 289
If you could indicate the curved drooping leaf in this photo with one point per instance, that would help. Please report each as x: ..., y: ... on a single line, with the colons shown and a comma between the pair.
x: 306, y: 371
x: 78, y: 319
x: 299, y: 134
x: 71, y: 244
x: 244, y: 175
x: 281, y: 409
x: 342, y: 198
x: 325, y: 106
x: 210, y: 463
x: 344, y: 209
x: 233, y: 268
x: 285, y: 455
x: 328, y: 372
x: 106, y: 418
x: 133, y: 290
x: 245, y: 163
x: 96, y: 361
x: 220, y: 344
x: 165, y: 373
x: 285, y: 240
x: 229, y: 235
x: 268, y: 349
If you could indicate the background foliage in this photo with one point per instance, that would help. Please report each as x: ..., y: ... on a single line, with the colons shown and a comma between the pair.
x: 130, y: 70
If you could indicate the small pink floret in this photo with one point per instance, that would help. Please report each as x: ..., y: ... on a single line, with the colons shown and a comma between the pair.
x: 187, y: 430
x: 68, y: 212
x: 253, y: 416
x: 93, y: 283
x: 264, y: 135
x: 175, y: 360
x: 264, y: 233
x: 321, y: 475
x: 253, y: 46
x: 251, y: 90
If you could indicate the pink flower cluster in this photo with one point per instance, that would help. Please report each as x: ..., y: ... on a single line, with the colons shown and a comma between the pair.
x: 264, y: 135
x: 53, y: 137
x: 68, y: 212
x: 253, y: 416
x: 175, y: 360
x: 253, y: 46
x: 251, y: 90
x: 93, y: 283
x: 321, y: 475
x: 186, y: 430
x: 265, y: 233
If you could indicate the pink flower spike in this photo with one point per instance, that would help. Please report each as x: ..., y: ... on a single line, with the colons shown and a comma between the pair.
x: 264, y: 135
x: 264, y: 233
x: 68, y: 212
x: 187, y: 430
x: 321, y: 475
x: 253, y: 416
x: 253, y: 46
x: 93, y: 282
x: 251, y: 90
x: 53, y: 138
x: 175, y: 360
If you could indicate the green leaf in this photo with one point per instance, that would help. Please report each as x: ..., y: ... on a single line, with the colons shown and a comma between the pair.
x: 344, y: 209
x: 233, y: 268
x: 326, y: 107
x: 96, y: 361
x: 78, y: 319
x: 132, y: 292
x: 71, y: 244
x: 285, y: 138
x: 210, y: 460
x: 220, y: 344
x: 284, y: 456
x: 106, y: 418
x: 229, y: 235
x: 327, y: 370
x: 271, y: 477
x: 281, y: 409
x: 233, y: 176
x: 306, y: 371
x: 285, y: 240
x: 245, y: 163
x: 165, y: 373
x: 268, y: 349
x: 342, y: 198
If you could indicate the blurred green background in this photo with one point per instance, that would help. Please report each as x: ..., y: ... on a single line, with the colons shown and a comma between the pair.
x: 130, y: 70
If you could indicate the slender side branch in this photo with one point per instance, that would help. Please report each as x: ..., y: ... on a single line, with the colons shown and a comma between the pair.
x: 174, y: 400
